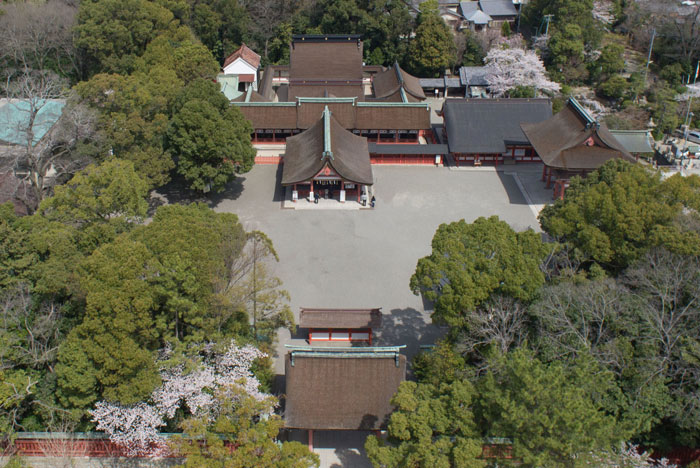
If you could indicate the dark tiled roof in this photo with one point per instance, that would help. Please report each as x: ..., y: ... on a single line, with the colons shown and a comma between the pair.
x: 305, y: 154
x: 246, y: 54
x: 572, y: 140
x: 473, y: 76
x: 312, y: 60
x: 340, y: 318
x: 466, y: 8
x: 336, y: 390
x: 498, y: 8
x: 488, y: 125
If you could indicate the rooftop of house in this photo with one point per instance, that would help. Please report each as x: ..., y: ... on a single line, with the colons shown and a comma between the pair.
x: 246, y: 53
x: 16, y: 116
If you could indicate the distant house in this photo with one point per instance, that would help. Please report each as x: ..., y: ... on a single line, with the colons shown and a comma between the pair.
x: 341, y: 388
x: 239, y: 73
x: 477, y: 15
x: 572, y: 143
x: 20, y: 121
x: 487, y: 131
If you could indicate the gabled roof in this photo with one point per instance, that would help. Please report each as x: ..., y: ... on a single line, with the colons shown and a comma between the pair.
x: 326, y: 143
x: 473, y: 76
x: 573, y: 140
x: 467, y: 8
x: 340, y: 318
x: 394, y: 79
x: 246, y: 53
x: 327, y: 57
x: 498, y: 7
x: 489, y: 125
x: 341, y: 388
x: 478, y: 17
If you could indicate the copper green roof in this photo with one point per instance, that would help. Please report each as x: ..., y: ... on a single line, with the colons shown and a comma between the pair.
x: 16, y: 114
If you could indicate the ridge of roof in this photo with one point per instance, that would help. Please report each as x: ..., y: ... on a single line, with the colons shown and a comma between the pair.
x: 245, y: 53
x: 583, y: 113
x: 327, y: 152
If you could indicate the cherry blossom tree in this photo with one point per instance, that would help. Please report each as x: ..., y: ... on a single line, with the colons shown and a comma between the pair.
x: 135, y: 427
x: 628, y: 456
x: 509, y: 68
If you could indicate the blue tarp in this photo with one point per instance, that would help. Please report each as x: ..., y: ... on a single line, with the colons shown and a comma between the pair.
x: 15, y: 118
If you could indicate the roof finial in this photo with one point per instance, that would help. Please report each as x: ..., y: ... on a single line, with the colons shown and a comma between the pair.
x: 327, y: 153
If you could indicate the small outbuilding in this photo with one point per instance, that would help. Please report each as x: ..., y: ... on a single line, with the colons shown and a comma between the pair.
x: 636, y: 142
x: 338, y: 325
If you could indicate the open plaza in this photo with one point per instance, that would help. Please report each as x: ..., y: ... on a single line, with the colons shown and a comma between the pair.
x: 338, y: 258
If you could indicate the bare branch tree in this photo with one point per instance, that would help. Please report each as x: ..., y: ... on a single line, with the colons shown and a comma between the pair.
x: 501, y: 322
x: 30, y: 333
x: 587, y: 317
x: 43, y: 151
x: 38, y: 36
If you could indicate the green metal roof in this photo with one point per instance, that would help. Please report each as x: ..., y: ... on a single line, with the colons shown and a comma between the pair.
x: 634, y: 141
x: 15, y: 116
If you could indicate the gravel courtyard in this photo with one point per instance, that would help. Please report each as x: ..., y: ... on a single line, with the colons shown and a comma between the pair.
x: 364, y: 258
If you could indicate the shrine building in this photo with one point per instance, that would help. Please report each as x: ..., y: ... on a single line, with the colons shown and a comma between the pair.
x: 572, y: 143
x: 341, y: 388
x: 340, y: 325
x: 385, y: 105
x: 328, y: 161
x: 487, y: 131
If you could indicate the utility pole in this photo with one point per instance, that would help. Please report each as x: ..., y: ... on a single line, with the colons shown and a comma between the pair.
x: 690, y: 103
x: 547, y: 18
x: 651, y: 47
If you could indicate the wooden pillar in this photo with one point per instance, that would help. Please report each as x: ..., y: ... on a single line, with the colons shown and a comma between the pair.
x: 396, y: 137
x: 311, y: 440
x: 512, y: 154
x: 255, y: 136
x: 457, y: 159
x: 497, y: 158
x: 549, y: 178
x: 342, y: 189
x: 544, y: 172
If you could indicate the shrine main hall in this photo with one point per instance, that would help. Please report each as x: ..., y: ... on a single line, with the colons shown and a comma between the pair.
x: 385, y: 106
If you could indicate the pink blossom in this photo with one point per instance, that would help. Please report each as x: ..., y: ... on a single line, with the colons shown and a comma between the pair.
x: 136, y: 427
x: 512, y: 67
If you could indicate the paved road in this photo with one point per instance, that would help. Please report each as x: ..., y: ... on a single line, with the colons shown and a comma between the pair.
x: 364, y: 259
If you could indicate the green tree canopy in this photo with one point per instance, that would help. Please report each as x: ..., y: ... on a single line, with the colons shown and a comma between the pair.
x: 134, y: 117
x: 242, y: 435
x: 99, y: 193
x: 432, y: 49
x: 211, y: 146
x: 617, y: 213
x: 431, y: 427
x: 551, y: 413
x: 470, y: 262
x: 114, y: 32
